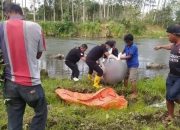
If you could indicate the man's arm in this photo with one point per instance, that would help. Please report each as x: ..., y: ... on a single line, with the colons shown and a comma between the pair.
x: 41, y: 44
x: 111, y: 56
x: 125, y: 57
x: 166, y: 47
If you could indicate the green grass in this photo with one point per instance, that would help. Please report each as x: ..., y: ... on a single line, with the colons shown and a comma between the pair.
x: 65, y: 116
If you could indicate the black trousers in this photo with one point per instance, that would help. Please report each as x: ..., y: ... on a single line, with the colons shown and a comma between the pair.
x: 94, y: 66
x: 74, y: 68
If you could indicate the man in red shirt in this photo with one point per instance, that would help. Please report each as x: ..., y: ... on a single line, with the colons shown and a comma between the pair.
x: 22, y: 44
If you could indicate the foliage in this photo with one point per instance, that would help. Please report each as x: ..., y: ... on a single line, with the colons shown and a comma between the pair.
x: 164, y: 17
x: 160, y: 17
x: 59, y: 29
x: 178, y: 16
x: 97, y: 29
x: 137, y: 27
x: 89, y: 29
x: 116, y: 29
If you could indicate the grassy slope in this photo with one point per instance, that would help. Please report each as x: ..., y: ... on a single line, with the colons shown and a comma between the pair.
x: 138, y: 115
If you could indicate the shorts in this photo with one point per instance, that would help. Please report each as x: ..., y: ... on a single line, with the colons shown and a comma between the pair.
x: 132, y: 74
x: 172, y: 88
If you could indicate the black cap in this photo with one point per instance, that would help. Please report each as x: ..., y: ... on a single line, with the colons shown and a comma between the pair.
x: 174, y: 29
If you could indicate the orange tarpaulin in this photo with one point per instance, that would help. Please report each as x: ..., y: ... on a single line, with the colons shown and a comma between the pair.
x: 105, y: 98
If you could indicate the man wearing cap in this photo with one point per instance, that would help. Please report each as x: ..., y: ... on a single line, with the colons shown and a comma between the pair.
x: 173, y: 79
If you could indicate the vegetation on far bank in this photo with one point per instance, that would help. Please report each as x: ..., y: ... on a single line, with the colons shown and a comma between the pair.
x: 139, y: 115
x: 109, y: 29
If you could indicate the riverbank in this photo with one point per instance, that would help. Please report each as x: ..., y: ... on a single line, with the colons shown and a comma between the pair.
x: 109, y: 29
x: 138, y: 116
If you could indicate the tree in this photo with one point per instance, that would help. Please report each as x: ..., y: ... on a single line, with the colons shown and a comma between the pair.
x: 178, y: 16
x: 72, y: 9
x: 2, y: 13
x: 62, y: 13
x: 84, y: 15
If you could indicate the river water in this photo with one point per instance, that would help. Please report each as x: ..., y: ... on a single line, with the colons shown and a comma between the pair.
x: 57, y: 68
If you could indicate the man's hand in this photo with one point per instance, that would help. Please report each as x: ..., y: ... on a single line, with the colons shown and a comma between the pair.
x: 111, y: 56
x: 157, y: 47
x: 38, y: 56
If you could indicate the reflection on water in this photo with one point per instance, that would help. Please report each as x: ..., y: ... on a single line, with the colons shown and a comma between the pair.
x: 57, y: 68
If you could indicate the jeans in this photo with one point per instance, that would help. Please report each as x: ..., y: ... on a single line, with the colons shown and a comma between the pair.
x: 94, y: 66
x: 74, y: 68
x: 173, y: 88
x: 16, y: 97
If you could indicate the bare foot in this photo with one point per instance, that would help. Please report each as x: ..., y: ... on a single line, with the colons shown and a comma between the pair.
x: 168, y: 120
x: 133, y: 96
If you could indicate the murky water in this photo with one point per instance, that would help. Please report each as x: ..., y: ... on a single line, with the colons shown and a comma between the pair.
x: 57, y: 68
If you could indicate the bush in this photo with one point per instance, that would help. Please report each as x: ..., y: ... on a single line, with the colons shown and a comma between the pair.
x: 89, y: 29
x: 116, y: 29
x: 60, y: 29
x: 97, y: 29
x: 137, y: 27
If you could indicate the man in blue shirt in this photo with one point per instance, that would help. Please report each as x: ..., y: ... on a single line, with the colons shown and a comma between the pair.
x: 131, y: 57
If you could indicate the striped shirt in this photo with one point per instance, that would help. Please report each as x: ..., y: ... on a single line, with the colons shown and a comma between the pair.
x: 20, y: 41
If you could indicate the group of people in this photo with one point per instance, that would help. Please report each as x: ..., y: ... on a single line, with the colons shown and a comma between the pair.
x: 106, y: 50
x: 22, y: 43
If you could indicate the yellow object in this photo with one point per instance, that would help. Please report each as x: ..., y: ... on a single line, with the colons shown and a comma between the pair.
x: 90, y: 77
x: 97, y: 80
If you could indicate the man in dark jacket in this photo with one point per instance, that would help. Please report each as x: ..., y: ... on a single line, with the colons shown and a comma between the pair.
x: 73, y: 57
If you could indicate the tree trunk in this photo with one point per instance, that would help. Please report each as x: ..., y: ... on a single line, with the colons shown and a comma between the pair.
x: 44, y: 11
x: 54, y: 14
x: 83, y: 11
x: 34, y: 11
x: 25, y: 3
x: 62, y: 14
x: 22, y: 6
x: 164, y: 4
x: 22, y: 3
x: 154, y: 19
x: 2, y: 13
x: 54, y: 11
x: 72, y: 6
x: 100, y: 10
x: 104, y: 7
x: 108, y: 8
x: 112, y: 10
